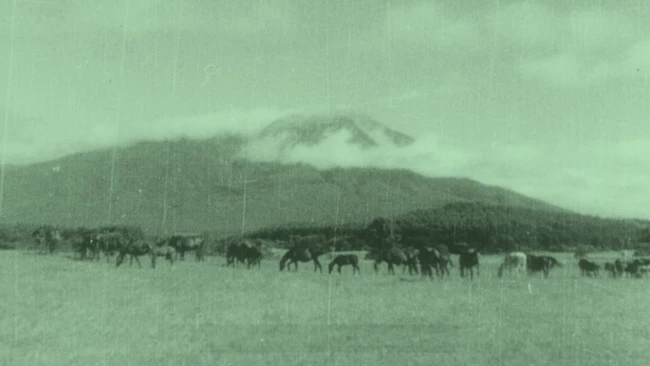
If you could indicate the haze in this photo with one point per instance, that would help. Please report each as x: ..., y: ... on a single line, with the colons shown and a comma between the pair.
x: 548, y: 98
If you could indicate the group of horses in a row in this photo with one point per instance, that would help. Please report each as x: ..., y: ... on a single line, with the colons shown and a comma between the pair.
x: 619, y: 268
x: 417, y: 259
x: 90, y: 244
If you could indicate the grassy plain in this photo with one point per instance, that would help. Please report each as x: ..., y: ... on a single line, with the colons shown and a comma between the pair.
x: 57, y: 311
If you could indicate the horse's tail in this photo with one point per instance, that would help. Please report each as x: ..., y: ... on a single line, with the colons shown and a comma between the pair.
x: 284, y: 259
x: 331, y: 266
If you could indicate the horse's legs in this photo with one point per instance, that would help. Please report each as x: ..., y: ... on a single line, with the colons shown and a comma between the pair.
x: 317, y: 265
x: 339, y: 269
x: 137, y: 260
x: 119, y: 259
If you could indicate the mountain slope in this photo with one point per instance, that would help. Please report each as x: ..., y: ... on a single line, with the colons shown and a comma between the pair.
x: 204, y: 185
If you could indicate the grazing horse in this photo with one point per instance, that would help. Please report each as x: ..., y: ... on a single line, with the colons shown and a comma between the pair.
x: 588, y: 268
x: 300, y: 254
x: 393, y: 256
x: 467, y: 261
x: 134, y: 249
x: 344, y: 260
x: 516, y: 260
x: 542, y: 264
x: 304, y: 249
x: 183, y: 243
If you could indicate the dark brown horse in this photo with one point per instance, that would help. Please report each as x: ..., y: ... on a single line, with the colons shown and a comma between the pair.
x: 304, y: 249
x: 541, y: 263
x: 135, y: 248
x: 246, y: 251
x: 393, y: 256
x: 344, y: 260
x: 297, y: 254
x: 467, y: 261
x: 184, y: 243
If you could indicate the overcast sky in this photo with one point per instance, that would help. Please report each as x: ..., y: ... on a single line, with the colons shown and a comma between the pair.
x: 549, y: 98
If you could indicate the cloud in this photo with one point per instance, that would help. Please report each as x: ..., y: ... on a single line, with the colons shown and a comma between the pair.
x: 533, y: 25
x: 524, y: 23
x: 425, y: 23
x: 559, y: 70
x: 595, y: 178
x: 426, y: 155
x: 32, y: 146
x: 567, y: 70
x: 137, y: 16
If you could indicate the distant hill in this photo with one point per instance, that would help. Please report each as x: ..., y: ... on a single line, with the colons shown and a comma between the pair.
x: 198, y: 185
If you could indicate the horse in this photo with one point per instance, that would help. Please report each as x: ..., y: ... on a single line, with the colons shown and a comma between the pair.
x: 611, y: 268
x: 542, y: 264
x: 47, y: 239
x: 516, y: 260
x: 431, y: 258
x: 588, y: 268
x: 619, y: 266
x: 393, y: 256
x: 162, y: 251
x: 343, y: 260
x: 135, y: 248
x: 445, y: 259
x: 637, y: 267
x: 298, y: 254
x: 467, y: 261
x: 244, y: 251
x: 183, y: 243
x: 411, y: 260
x: 107, y: 242
x: 304, y: 249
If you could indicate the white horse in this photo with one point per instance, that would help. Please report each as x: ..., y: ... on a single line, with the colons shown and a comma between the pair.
x: 516, y: 260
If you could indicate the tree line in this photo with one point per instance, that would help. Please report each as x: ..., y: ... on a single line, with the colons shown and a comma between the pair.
x: 492, y: 228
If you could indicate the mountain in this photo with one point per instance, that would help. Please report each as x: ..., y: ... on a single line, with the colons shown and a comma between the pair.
x: 197, y: 185
x: 312, y: 129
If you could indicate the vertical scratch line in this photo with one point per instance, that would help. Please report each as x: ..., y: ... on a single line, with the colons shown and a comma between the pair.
x: 5, y: 127
x: 118, y: 108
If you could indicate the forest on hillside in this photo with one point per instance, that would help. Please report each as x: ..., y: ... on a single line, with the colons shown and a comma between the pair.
x: 491, y: 228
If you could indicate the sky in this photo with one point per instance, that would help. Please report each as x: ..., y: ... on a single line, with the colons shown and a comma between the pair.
x: 548, y: 98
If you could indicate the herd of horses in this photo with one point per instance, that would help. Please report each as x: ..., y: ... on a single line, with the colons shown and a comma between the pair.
x: 417, y: 259
x: 90, y: 244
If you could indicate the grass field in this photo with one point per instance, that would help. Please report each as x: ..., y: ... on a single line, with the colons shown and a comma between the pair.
x: 56, y: 311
